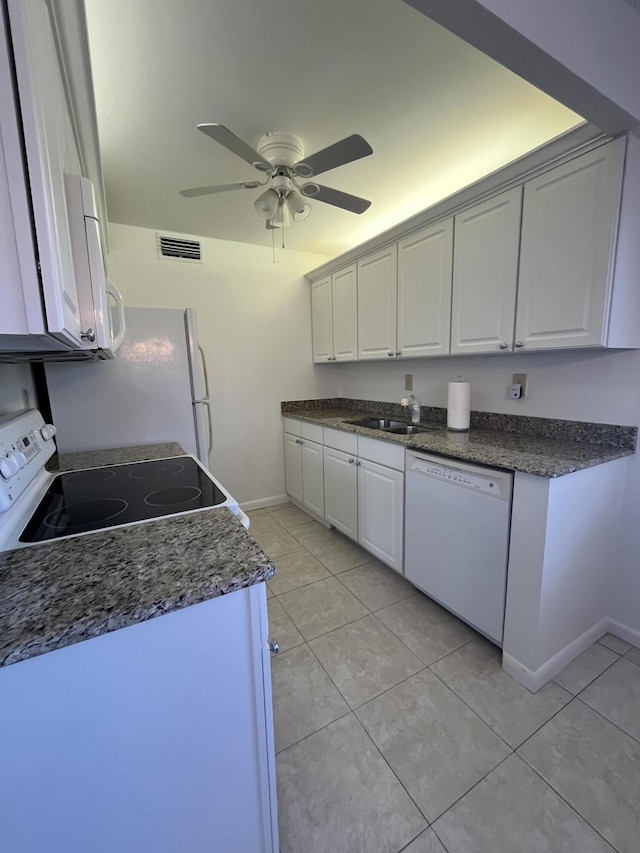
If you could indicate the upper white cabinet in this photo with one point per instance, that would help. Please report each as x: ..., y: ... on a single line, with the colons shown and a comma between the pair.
x: 334, y: 319
x: 321, y: 320
x: 51, y: 151
x: 404, y: 296
x: 485, y: 275
x: 569, y: 227
x: 551, y: 262
x: 377, y: 303
x: 424, y: 291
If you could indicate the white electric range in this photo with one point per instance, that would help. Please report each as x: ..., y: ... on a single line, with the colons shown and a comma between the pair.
x: 38, y: 506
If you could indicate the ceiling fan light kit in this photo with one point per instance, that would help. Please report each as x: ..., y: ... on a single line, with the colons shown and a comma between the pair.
x: 280, y: 156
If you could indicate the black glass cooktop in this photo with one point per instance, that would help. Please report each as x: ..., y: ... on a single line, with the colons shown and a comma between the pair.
x: 84, y: 501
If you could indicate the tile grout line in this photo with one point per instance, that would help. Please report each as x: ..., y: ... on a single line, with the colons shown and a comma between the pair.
x: 595, y: 678
x: 473, y: 710
x: 606, y: 719
x: 550, y: 784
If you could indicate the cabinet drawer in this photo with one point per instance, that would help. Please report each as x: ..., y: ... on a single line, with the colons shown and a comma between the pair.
x: 339, y: 440
x: 312, y: 431
x: 292, y: 426
x: 382, y: 452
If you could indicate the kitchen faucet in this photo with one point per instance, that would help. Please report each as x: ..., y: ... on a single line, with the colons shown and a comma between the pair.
x: 410, y: 401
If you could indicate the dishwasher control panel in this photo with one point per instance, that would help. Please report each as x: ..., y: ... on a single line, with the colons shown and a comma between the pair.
x: 476, y: 479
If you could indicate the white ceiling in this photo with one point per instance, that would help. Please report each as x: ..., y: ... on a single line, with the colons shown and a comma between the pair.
x: 437, y: 113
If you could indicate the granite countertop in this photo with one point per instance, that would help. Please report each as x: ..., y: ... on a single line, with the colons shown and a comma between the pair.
x: 55, y: 594
x: 561, y: 452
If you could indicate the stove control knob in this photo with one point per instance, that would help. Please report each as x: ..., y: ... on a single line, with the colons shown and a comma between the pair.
x: 12, y: 463
x: 47, y: 432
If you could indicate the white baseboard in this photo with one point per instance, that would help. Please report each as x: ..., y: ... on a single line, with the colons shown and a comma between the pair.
x: 630, y: 635
x: 535, y: 679
x: 261, y: 503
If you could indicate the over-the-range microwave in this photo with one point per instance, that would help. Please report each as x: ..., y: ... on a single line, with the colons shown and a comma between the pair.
x: 95, y: 302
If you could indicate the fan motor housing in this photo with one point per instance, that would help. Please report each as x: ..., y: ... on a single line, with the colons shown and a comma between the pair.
x: 281, y: 149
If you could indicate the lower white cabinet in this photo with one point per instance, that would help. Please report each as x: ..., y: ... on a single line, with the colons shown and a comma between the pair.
x: 364, y: 499
x: 158, y: 736
x: 381, y: 512
x: 341, y: 491
x: 303, y: 465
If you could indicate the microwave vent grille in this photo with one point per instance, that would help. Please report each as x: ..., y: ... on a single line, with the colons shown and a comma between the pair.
x: 175, y: 248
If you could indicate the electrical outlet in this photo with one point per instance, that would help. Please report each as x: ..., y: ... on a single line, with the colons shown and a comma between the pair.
x: 521, y: 380
x: 408, y: 382
x: 25, y: 399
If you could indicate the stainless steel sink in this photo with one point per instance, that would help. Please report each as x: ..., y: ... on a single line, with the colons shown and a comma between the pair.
x: 409, y: 429
x: 395, y: 427
x: 378, y: 423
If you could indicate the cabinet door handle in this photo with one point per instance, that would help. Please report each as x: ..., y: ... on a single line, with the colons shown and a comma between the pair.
x: 390, y: 354
x: 274, y: 647
x: 351, y: 461
x: 329, y: 358
x: 357, y: 463
x: 398, y: 354
x: 503, y: 345
x: 89, y: 335
x: 518, y: 344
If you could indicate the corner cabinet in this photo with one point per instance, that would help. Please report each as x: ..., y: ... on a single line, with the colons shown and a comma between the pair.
x: 334, y: 320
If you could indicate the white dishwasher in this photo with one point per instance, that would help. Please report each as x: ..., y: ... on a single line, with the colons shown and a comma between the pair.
x: 457, y: 524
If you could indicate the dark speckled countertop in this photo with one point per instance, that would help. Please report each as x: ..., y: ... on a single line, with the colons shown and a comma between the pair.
x: 56, y: 594
x: 542, y: 446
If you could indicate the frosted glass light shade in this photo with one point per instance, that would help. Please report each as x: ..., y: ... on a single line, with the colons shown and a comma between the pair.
x: 267, y: 204
x: 298, y: 206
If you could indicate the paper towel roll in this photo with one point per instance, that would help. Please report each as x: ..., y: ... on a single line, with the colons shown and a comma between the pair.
x: 459, y: 405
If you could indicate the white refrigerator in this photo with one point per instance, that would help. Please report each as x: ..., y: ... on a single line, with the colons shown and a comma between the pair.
x: 154, y: 391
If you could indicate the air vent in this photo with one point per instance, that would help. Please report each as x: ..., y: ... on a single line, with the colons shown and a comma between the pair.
x: 175, y: 248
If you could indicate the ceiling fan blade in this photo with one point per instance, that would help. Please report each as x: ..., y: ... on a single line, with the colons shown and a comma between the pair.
x: 236, y: 145
x: 219, y: 188
x: 353, y: 203
x: 346, y: 151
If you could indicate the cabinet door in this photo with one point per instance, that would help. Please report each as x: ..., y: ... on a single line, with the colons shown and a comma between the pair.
x: 321, y: 320
x: 51, y: 151
x: 341, y: 491
x: 485, y: 275
x: 424, y: 290
x: 569, y: 223
x: 312, y: 477
x: 345, y: 314
x: 381, y: 512
x: 293, y: 466
x: 377, y: 289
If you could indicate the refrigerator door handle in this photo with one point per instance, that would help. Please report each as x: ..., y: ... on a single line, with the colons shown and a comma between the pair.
x: 210, y: 433
x: 205, y: 377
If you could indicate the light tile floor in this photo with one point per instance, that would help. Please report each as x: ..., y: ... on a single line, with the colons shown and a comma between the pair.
x: 396, y: 728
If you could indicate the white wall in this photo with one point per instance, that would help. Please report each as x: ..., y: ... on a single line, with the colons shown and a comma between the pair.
x: 13, y: 379
x: 588, y: 385
x: 254, y: 326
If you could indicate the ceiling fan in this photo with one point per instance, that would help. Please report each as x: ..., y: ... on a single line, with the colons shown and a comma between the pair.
x: 280, y: 158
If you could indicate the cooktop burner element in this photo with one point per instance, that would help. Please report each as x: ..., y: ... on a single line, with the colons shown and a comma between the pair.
x: 99, y: 498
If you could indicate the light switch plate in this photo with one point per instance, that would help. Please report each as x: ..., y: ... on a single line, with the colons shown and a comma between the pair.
x: 408, y: 382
